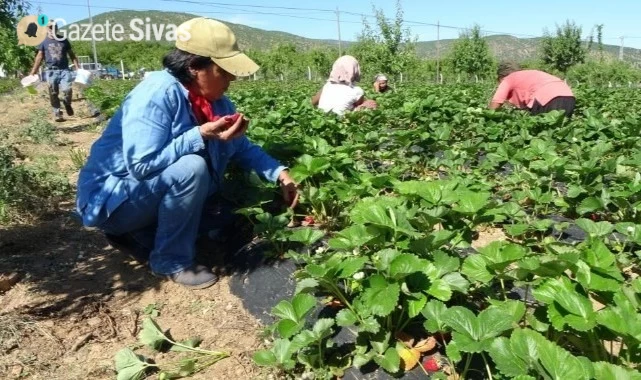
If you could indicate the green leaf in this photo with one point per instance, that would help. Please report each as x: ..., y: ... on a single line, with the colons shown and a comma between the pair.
x: 445, y: 263
x: 187, y: 367
x: 560, y: 364
x: 515, y: 309
x: 467, y: 344
x: 265, y: 358
x: 599, y: 256
x: 362, y: 359
x: 302, y: 304
x: 345, y: 318
x: 440, y: 290
x: 381, y: 301
x: 500, y: 252
x: 525, y: 345
x: 129, y: 364
x: 506, y: 360
x: 471, y: 202
x: 285, y: 310
x: 384, y: 259
x: 282, y: 350
x: 415, y: 305
x: 390, y: 361
x: 492, y: 322
x: 589, y: 204
x: 453, y: 352
x: 607, y: 371
x: 131, y: 373
x: 306, y: 284
x: 564, y: 294
x: 475, y: 268
x: 323, y: 326
x: 351, y: 237
x: 287, y: 327
x: 351, y: 265
x: 380, y: 342
x: 191, y: 342
x: 433, y: 313
x: 405, y: 264
x: 598, y: 229
x: 306, y: 235
x: 434, y: 240
x: 456, y: 282
x: 151, y: 335
x: 575, y: 190
x: 303, y: 339
x: 462, y: 320
x: 434, y: 192
x: 370, y: 325
x: 517, y: 229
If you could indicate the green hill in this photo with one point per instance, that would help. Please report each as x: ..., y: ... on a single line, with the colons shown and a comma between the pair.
x: 248, y: 37
x: 518, y: 49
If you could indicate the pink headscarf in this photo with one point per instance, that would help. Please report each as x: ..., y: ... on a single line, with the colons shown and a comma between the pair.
x: 345, y: 70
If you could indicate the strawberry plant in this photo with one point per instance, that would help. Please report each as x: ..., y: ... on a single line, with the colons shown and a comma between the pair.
x: 401, y: 193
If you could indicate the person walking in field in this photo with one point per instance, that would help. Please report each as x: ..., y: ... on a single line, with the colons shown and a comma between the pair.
x: 533, y: 90
x: 55, y: 52
x: 162, y: 158
x: 340, y: 93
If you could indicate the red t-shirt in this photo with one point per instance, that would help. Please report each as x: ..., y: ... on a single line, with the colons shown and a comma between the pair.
x: 522, y: 88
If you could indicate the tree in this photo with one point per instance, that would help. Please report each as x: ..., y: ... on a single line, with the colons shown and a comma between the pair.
x: 12, y: 56
x: 471, y: 54
x: 565, y: 49
x: 388, y: 49
x: 599, y: 39
x: 320, y: 60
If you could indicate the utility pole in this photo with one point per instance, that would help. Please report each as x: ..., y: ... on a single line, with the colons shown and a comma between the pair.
x: 621, y: 50
x: 438, y: 49
x: 338, y: 24
x: 93, y: 42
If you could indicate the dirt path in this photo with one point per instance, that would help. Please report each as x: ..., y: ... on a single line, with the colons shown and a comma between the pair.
x: 78, y: 301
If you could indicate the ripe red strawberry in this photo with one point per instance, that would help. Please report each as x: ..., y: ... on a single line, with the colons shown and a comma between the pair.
x: 230, y: 119
x: 432, y: 363
x: 308, y: 221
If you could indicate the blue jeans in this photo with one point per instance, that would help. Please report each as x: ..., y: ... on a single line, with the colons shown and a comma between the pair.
x: 59, y: 80
x: 163, y: 213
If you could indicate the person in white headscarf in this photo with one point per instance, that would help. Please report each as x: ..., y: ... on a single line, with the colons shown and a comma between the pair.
x: 380, y: 83
x: 340, y: 93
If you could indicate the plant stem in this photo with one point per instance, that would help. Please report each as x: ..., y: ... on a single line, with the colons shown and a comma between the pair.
x: 468, y: 361
x: 487, y: 366
x: 503, y: 289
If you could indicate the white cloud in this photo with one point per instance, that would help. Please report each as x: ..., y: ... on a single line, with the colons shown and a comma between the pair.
x: 246, y: 20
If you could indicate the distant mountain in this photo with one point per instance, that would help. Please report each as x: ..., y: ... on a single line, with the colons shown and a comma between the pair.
x: 517, y: 49
x: 503, y: 46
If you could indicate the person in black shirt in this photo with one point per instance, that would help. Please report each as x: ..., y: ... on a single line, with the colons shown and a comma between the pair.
x: 54, y: 51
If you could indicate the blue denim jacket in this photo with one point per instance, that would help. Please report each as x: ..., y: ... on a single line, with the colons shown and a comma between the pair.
x: 152, y: 129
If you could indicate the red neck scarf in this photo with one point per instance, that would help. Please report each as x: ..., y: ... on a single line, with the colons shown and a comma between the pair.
x: 202, y: 108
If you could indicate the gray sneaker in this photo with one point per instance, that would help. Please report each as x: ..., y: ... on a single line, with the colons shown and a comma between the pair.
x: 195, y: 277
x: 57, y: 114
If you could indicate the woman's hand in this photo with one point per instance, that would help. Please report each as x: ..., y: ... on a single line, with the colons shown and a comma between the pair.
x: 288, y: 188
x: 224, y: 129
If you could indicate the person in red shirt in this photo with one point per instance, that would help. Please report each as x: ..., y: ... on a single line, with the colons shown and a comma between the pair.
x: 534, y: 90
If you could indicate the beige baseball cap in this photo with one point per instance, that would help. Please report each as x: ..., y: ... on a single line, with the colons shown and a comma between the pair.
x: 211, y: 38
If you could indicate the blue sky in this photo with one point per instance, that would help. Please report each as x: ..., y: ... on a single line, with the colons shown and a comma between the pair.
x: 522, y: 19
